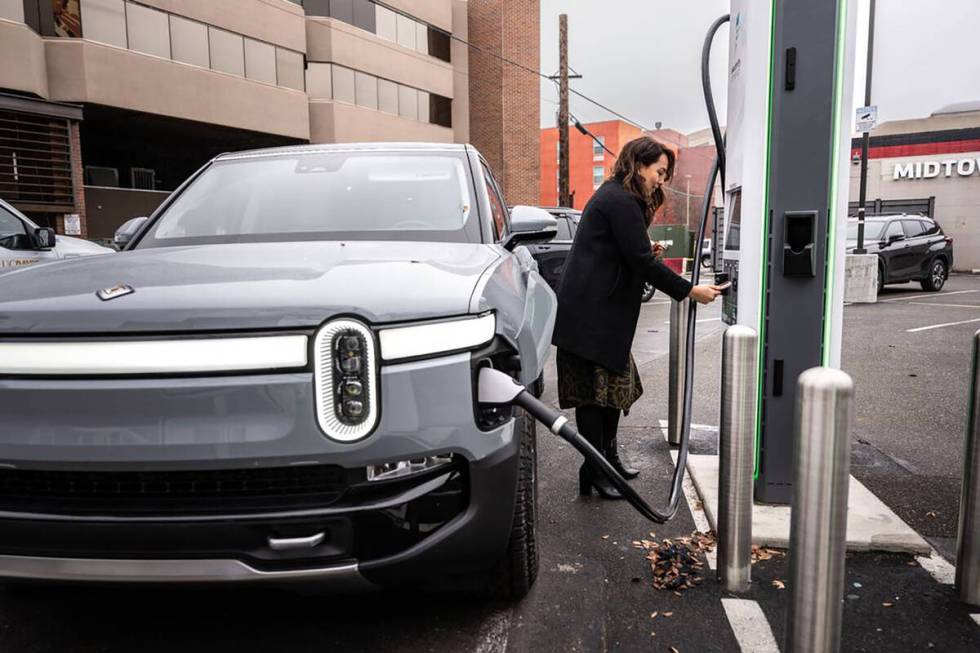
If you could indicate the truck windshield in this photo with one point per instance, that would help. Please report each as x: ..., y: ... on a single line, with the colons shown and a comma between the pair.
x: 323, y: 196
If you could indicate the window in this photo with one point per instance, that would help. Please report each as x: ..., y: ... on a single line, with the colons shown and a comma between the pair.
x: 189, y: 41
x: 366, y: 90
x: 343, y: 84
x: 342, y: 10
x: 406, y: 31
x: 10, y: 224
x: 597, y: 147
x: 497, y: 210
x: 104, y: 20
x: 408, y: 103
x: 316, y: 7
x: 318, y: 81
x: 422, y: 38
x: 894, y: 229
x: 148, y: 30
x: 439, y: 44
x: 564, y: 231
x: 440, y: 110
x: 385, y: 20
x: 289, y: 69
x: 913, y: 228
x: 227, y: 51
x: 365, y: 15
x: 14, y: 10
x: 423, y: 106
x: 323, y: 196
x: 931, y: 228
x: 260, y: 61
x: 598, y: 172
x: 388, y: 96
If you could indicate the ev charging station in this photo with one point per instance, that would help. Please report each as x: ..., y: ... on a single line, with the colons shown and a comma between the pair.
x: 790, y: 81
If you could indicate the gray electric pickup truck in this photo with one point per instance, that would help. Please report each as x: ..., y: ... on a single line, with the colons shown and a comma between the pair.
x: 276, y: 381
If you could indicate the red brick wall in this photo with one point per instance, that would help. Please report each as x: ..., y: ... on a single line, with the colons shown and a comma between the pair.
x: 581, y: 159
x: 504, y: 99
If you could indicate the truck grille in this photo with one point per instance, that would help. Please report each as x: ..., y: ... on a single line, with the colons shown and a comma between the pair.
x: 171, y: 492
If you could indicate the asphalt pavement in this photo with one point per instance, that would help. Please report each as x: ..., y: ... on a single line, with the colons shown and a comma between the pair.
x: 595, y: 592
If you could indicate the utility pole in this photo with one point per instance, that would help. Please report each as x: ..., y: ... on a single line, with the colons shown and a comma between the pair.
x: 866, y: 138
x: 563, y: 197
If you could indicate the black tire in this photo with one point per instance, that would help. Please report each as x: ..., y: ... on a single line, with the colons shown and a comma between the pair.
x: 881, y: 277
x: 648, y: 291
x: 937, y: 275
x: 513, y: 574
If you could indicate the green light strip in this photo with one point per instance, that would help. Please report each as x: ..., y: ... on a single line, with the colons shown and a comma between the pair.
x: 830, y: 262
x: 763, y: 260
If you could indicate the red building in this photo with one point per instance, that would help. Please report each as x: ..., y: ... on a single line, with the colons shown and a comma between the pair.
x: 589, y: 165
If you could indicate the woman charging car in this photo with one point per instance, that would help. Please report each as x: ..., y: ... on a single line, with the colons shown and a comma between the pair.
x: 599, y: 301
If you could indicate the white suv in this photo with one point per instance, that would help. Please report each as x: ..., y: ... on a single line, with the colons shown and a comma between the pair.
x: 22, y: 242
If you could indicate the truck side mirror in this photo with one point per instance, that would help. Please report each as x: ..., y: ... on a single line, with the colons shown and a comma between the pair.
x: 44, y: 238
x: 127, y: 230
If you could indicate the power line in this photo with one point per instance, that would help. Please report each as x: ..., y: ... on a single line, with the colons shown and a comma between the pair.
x: 543, y: 76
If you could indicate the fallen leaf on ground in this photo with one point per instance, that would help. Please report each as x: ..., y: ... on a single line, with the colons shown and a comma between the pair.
x: 931, y: 514
x: 653, y: 615
x: 674, y: 650
x: 668, y: 614
x: 887, y: 605
x: 605, y: 537
x: 778, y: 584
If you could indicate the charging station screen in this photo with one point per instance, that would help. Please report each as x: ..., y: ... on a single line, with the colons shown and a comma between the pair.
x: 732, y: 236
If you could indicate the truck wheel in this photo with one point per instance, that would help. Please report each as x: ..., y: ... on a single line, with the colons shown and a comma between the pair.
x: 513, y: 574
x: 936, y: 278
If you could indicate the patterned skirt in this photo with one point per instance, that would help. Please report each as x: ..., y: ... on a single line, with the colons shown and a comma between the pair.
x: 583, y: 383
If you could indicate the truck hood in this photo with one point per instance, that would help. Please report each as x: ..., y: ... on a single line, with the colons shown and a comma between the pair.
x: 243, y: 286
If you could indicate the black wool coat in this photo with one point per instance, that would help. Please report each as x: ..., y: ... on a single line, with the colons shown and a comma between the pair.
x: 600, y: 289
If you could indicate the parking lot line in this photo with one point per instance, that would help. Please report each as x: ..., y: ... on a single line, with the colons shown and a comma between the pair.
x: 917, y: 295
x: 974, y: 306
x: 940, y: 326
x: 750, y: 626
x: 938, y: 568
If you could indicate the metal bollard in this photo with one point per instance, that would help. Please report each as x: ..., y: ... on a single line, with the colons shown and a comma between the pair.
x: 818, y: 528
x: 968, y: 538
x: 736, y: 440
x: 675, y: 362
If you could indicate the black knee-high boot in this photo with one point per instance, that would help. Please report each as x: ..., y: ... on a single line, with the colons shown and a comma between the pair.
x: 590, y: 423
x: 610, y: 426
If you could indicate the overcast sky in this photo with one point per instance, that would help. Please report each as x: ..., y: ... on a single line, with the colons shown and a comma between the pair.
x: 642, y: 58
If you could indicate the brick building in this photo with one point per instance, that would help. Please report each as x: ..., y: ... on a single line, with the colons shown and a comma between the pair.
x: 108, y: 105
x: 590, y: 164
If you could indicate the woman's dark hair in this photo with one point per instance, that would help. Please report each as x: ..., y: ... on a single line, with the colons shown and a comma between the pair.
x: 642, y: 151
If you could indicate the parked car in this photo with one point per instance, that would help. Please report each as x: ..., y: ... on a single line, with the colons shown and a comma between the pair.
x: 276, y: 381
x: 551, y: 256
x: 22, y: 242
x: 909, y: 248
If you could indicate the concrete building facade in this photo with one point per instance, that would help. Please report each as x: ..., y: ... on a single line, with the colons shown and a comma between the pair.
x: 932, y: 163
x: 115, y: 102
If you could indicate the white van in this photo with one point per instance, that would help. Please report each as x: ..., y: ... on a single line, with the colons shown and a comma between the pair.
x: 22, y: 242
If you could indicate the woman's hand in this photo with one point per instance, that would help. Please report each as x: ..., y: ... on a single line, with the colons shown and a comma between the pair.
x: 704, y: 293
x: 657, y: 249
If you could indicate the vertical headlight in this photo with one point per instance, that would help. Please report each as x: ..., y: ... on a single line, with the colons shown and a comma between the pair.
x: 345, y: 380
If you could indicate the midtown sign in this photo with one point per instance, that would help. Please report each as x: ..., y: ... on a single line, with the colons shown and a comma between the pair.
x: 933, y: 169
